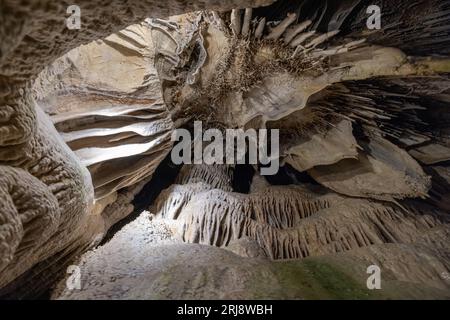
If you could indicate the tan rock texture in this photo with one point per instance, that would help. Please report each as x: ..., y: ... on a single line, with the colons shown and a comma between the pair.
x: 363, y: 117
x: 144, y: 261
x: 295, y: 222
x: 35, y: 161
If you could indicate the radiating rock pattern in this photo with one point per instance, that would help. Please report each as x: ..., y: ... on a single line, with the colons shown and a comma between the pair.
x: 293, y: 221
x: 258, y: 73
x: 350, y: 111
x: 354, y: 111
x: 362, y: 114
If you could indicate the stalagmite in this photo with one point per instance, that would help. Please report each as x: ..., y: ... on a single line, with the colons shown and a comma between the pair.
x: 87, y: 123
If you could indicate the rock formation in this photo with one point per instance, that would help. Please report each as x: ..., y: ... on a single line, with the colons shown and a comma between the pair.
x: 351, y: 110
x: 86, y: 118
x: 33, y: 155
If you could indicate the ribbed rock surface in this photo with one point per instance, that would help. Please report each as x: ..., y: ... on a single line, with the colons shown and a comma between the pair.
x: 143, y: 261
x: 33, y: 35
x: 110, y: 110
x: 46, y: 196
x: 363, y: 114
x: 291, y: 222
x: 348, y: 109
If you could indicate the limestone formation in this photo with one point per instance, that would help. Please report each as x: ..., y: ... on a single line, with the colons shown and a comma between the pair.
x: 32, y: 153
x: 109, y: 112
x: 87, y: 116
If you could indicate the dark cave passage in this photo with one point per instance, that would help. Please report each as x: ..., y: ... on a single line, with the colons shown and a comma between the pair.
x: 242, y: 178
x: 287, y: 175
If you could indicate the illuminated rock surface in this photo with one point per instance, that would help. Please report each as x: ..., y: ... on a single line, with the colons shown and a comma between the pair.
x: 86, y: 118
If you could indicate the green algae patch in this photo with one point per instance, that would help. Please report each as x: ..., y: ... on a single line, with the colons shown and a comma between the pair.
x: 318, y: 279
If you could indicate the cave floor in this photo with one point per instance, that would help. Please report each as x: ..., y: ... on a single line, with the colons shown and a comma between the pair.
x: 144, y: 260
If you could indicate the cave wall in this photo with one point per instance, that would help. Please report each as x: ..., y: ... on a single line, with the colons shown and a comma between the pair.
x: 64, y: 182
x: 38, y: 169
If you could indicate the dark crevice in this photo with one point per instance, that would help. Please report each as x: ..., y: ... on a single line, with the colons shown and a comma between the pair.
x: 242, y: 178
x: 288, y: 175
